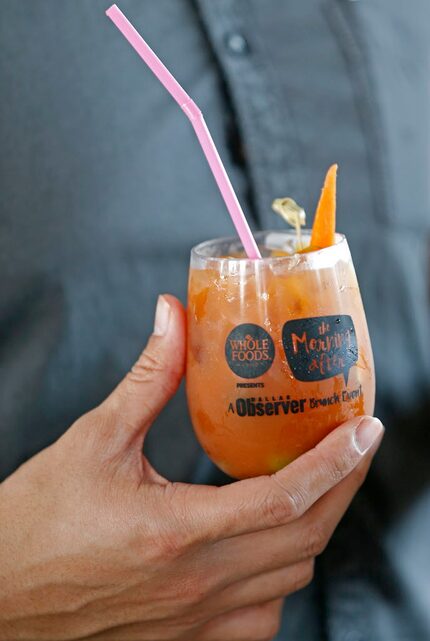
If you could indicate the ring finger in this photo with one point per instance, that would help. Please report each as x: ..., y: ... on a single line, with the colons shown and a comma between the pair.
x: 262, y: 588
x: 256, y: 623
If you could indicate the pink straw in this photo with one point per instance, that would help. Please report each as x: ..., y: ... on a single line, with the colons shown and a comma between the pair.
x: 191, y: 110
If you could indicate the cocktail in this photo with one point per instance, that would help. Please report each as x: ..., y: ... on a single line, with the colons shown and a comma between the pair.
x: 278, y: 349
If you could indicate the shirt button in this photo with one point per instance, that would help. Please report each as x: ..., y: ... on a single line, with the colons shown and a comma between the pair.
x: 237, y: 43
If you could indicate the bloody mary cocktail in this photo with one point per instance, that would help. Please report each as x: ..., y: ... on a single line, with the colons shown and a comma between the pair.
x: 278, y: 350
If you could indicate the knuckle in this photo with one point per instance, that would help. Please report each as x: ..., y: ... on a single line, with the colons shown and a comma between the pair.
x: 188, y: 594
x: 265, y: 621
x: 148, y: 366
x: 269, y: 628
x: 305, y: 575
x: 275, y: 509
x: 155, y: 548
x: 193, y: 592
x: 151, y: 367
x: 195, y: 601
x: 186, y: 597
x: 205, y: 586
x: 165, y: 531
x: 169, y: 546
x: 283, y: 504
x: 338, y: 467
x: 177, y: 532
x: 179, y: 505
x: 315, y: 539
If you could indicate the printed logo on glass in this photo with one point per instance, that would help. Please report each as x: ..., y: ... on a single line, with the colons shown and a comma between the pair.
x: 249, y: 350
x: 321, y: 347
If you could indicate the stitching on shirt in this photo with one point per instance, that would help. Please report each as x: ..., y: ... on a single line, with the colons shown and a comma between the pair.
x: 272, y: 92
x: 255, y: 122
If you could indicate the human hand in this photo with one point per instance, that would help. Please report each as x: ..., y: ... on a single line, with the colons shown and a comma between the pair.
x: 95, y: 544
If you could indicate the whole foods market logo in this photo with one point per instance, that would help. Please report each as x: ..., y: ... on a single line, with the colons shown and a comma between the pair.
x: 249, y: 350
x: 321, y: 347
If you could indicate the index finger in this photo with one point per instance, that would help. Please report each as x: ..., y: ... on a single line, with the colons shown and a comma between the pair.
x: 269, y: 501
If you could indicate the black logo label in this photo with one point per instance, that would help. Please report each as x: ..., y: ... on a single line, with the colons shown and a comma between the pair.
x: 319, y: 348
x: 249, y: 350
x: 267, y: 407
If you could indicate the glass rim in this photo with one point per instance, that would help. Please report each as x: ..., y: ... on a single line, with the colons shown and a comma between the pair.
x: 197, y: 250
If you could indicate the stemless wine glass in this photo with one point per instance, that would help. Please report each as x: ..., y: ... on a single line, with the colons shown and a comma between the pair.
x: 278, y: 350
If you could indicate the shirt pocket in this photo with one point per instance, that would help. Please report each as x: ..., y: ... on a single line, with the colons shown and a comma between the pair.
x: 386, y: 48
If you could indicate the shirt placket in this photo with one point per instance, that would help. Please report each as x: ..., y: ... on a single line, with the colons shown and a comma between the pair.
x: 269, y: 142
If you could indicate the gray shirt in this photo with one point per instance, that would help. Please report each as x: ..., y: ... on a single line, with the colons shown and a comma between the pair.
x: 103, y: 190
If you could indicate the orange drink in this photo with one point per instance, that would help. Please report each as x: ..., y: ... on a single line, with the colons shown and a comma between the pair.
x: 278, y: 350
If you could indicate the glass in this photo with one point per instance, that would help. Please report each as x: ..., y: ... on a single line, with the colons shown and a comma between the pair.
x: 278, y: 350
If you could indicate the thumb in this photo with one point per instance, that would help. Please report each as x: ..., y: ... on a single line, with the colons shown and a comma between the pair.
x: 154, y: 378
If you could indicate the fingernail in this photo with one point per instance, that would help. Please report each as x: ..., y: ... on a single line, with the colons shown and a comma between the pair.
x: 162, y: 317
x: 367, y: 432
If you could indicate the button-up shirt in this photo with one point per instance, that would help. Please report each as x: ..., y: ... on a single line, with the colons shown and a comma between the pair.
x: 104, y: 189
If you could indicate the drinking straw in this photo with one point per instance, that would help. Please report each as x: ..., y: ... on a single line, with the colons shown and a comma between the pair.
x: 194, y: 114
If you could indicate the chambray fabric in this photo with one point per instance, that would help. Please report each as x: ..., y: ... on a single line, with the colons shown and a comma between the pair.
x: 103, y: 190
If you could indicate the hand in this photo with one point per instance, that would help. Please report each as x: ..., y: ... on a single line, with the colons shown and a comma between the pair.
x: 95, y: 544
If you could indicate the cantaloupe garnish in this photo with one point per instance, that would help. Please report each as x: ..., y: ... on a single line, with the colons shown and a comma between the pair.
x: 324, y: 227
